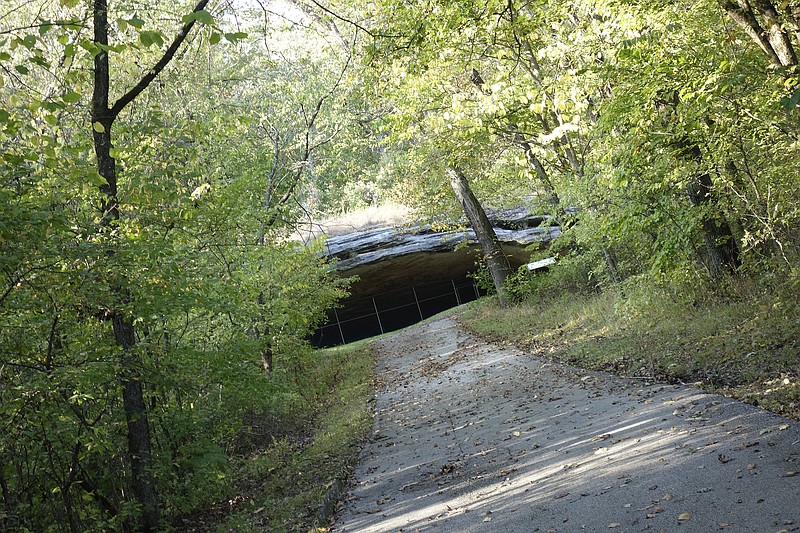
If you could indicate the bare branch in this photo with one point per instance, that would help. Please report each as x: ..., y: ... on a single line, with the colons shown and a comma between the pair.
x: 343, y: 19
x: 128, y: 97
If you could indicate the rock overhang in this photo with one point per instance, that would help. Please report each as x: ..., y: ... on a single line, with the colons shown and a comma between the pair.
x: 419, y: 271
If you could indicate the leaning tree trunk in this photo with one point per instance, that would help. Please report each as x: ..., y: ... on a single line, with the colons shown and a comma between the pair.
x: 767, y: 27
x: 496, y: 259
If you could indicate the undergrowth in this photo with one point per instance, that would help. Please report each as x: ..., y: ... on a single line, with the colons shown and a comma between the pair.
x: 293, y: 452
x: 740, y: 339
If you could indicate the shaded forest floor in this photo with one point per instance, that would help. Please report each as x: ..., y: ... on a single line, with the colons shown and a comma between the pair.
x: 745, y: 345
x: 290, y: 463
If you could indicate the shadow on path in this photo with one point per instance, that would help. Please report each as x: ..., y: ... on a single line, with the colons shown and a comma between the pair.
x: 474, y: 437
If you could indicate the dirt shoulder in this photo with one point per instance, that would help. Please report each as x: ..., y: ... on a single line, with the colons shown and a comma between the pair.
x: 470, y: 436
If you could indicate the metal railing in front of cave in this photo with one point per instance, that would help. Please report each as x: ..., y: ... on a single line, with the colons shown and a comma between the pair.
x: 456, y: 293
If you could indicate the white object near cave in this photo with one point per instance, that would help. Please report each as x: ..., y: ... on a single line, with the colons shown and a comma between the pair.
x: 543, y: 263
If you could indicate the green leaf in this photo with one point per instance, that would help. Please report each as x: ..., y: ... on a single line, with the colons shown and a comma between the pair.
x: 22, y: 69
x: 202, y: 16
x: 136, y: 22
x: 71, y: 97
x: 237, y: 36
x: 96, y: 179
x: 790, y: 102
x: 89, y: 46
x: 99, y: 128
x: 38, y: 60
x: 215, y: 38
x: 149, y: 38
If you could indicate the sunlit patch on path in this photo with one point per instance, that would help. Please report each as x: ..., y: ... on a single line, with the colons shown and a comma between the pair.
x: 475, y: 437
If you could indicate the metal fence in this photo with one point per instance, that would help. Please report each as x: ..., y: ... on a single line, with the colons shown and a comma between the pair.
x: 388, y: 311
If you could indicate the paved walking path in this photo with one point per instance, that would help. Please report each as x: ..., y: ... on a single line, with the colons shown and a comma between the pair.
x: 472, y: 437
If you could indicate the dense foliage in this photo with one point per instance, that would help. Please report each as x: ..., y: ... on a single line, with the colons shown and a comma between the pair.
x: 172, y: 275
x: 666, y: 124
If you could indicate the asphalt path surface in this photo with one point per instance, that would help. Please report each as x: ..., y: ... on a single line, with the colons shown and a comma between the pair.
x: 474, y: 437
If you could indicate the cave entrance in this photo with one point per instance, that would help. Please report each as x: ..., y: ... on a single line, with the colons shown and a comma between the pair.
x: 402, y: 276
x: 364, y: 317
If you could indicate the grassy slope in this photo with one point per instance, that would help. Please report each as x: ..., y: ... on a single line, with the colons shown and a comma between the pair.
x: 746, y: 346
x: 282, y: 477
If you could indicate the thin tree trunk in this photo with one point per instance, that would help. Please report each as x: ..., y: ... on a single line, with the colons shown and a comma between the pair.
x: 103, y: 116
x: 9, y: 507
x: 519, y: 139
x: 143, y: 484
x: 496, y: 259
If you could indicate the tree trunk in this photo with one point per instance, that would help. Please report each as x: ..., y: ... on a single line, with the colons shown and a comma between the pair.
x: 496, y: 259
x: 9, y: 507
x: 103, y: 116
x: 723, y: 254
x: 519, y: 139
x: 770, y: 33
x: 143, y: 484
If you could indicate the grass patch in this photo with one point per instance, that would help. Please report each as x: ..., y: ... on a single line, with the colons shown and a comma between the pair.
x: 745, y: 345
x: 283, y: 478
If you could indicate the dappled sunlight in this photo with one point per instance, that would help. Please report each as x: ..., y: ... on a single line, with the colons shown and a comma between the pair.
x: 500, y: 436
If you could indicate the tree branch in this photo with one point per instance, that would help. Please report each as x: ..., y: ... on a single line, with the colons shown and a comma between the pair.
x: 343, y: 19
x: 128, y: 97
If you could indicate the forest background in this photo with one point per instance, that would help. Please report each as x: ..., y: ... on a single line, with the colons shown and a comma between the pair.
x: 158, y: 157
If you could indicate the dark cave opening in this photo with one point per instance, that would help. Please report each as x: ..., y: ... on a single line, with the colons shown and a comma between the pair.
x: 367, y: 316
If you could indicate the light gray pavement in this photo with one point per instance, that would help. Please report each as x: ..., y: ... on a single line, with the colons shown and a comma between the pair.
x: 472, y: 437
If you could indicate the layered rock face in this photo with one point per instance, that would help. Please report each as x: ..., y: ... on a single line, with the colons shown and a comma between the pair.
x: 407, y: 274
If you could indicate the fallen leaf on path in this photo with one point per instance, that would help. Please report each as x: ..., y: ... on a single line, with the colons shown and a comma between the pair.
x: 685, y: 516
x: 724, y: 458
x: 782, y: 427
x: 614, y: 525
x: 791, y: 473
